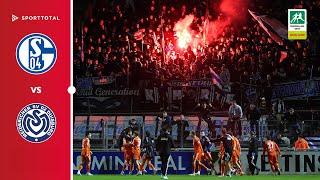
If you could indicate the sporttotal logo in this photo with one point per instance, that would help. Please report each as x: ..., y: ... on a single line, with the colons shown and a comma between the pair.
x: 36, y: 53
x: 14, y: 17
x: 36, y: 123
x: 297, y: 24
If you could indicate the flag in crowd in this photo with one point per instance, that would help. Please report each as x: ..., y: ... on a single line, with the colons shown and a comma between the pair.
x: 283, y: 56
x: 216, y: 80
x: 139, y: 34
x: 274, y: 28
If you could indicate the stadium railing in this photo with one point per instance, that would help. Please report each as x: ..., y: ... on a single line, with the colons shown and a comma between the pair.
x: 106, y: 128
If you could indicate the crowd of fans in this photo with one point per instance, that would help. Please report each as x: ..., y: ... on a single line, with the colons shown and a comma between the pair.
x: 119, y: 40
x: 105, y: 44
x: 110, y: 47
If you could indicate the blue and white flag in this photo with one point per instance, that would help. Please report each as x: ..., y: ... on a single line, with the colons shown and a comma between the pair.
x: 216, y: 80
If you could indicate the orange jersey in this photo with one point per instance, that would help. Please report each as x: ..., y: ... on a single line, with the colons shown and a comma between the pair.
x: 236, y: 149
x: 86, y: 150
x: 271, y: 148
x: 136, y: 144
x: 136, y: 148
x: 236, y: 145
x: 127, y: 150
x: 197, y: 147
x: 127, y: 147
x: 301, y: 145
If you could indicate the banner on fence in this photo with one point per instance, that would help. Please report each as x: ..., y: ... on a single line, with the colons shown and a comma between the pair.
x: 180, y: 162
x: 89, y: 82
x: 176, y: 96
x: 297, y: 89
x: 191, y: 83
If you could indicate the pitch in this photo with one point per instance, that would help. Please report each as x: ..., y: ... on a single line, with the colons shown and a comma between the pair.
x: 186, y: 177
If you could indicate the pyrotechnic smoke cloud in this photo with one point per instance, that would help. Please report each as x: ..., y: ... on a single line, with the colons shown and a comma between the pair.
x: 183, y: 31
x: 232, y: 11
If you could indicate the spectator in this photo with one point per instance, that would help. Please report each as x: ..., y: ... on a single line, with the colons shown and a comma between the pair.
x: 234, y: 122
x: 282, y: 140
x: 278, y: 109
x: 292, y: 123
x: 167, y: 121
x: 301, y: 144
x: 182, y: 133
x: 263, y: 105
x: 225, y: 76
x: 204, y: 115
x: 253, y: 115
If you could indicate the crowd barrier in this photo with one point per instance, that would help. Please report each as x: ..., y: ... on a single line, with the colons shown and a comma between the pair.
x: 111, y: 127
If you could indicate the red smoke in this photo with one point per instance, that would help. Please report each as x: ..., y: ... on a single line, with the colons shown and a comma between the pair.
x: 232, y: 12
x: 215, y: 29
x: 233, y: 8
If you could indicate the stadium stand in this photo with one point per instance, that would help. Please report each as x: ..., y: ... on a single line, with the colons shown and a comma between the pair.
x: 123, y: 69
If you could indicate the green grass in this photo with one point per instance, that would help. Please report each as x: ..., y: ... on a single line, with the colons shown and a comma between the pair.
x: 204, y: 177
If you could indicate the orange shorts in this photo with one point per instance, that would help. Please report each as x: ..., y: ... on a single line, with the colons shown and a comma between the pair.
x: 235, y: 157
x: 128, y: 156
x: 198, y: 156
x: 85, y: 159
x: 85, y: 152
x: 273, y: 159
x: 136, y: 155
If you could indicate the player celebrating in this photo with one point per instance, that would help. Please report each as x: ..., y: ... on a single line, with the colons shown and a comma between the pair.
x: 206, y: 146
x: 235, y: 158
x: 85, y: 154
x: 148, y: 145
x: 198, y: 155
x: 137, y: 151
x: 127, y: 149
x: 273, y: 152
x: 226, y: 156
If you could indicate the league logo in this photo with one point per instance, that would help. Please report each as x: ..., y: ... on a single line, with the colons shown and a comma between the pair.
x: 36, y: 53
x: 297, y: 24
x: 36, y: 123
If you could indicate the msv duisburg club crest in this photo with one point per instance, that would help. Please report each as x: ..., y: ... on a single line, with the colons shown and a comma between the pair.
x: 36, y: 123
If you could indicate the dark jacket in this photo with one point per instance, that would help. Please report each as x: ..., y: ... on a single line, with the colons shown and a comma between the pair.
x: 205, y: 143
x: 164, y: 143
x: 204, y: 113
x: 182, y: 125
x: 148, y: 145
x: 253, y: 115
x: 168, y: 122
x: 291, y: 119
x: 227, y: 143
